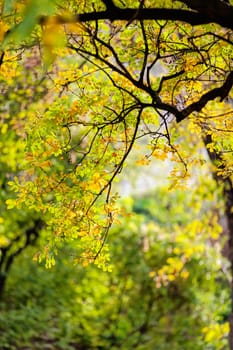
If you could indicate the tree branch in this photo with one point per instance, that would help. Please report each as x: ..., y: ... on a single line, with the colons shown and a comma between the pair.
x: 109, y: 5
x: 216, y: 10
x: 113, y: 13
x: 221, y: 92
x: 127, y: 14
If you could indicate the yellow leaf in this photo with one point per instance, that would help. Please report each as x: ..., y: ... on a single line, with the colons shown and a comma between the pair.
x: 4, y: 241
x: 184, y: 274
x: 142, y: 161
x: 152, y: 274
x: 171, y: 277
x: 11, y: 203
x: 159, y: 154
x: 53, y: 37
x: 44, y: 164
x: 4, y: 128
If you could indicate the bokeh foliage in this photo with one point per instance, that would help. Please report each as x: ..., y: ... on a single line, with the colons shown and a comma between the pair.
x: 166, y: 290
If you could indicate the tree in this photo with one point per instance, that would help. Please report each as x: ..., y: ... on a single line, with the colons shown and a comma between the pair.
x: 166, y: 288
x: 114, y: 73
x: 19, y: 228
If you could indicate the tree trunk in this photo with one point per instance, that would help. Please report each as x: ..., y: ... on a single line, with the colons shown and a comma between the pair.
x: 2, y: 284
x: 228, y: 194
x: 228, y: 199
x: 15, y: 248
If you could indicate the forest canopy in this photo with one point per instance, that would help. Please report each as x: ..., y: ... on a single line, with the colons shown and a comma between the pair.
x: 88, y: 86
x: 84, y: 85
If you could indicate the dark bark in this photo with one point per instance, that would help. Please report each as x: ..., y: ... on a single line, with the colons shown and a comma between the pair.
x: 228, y: 199
x: 198, y: 12
x: 2, y: 283
x: 220, y: 92
x: 228, y: 194
x: 15, y: 248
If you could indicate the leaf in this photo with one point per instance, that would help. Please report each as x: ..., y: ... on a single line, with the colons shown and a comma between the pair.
x: 8, y: 6
x: 53, y: 37
x: 32, y: 10
x: 11, y: 203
